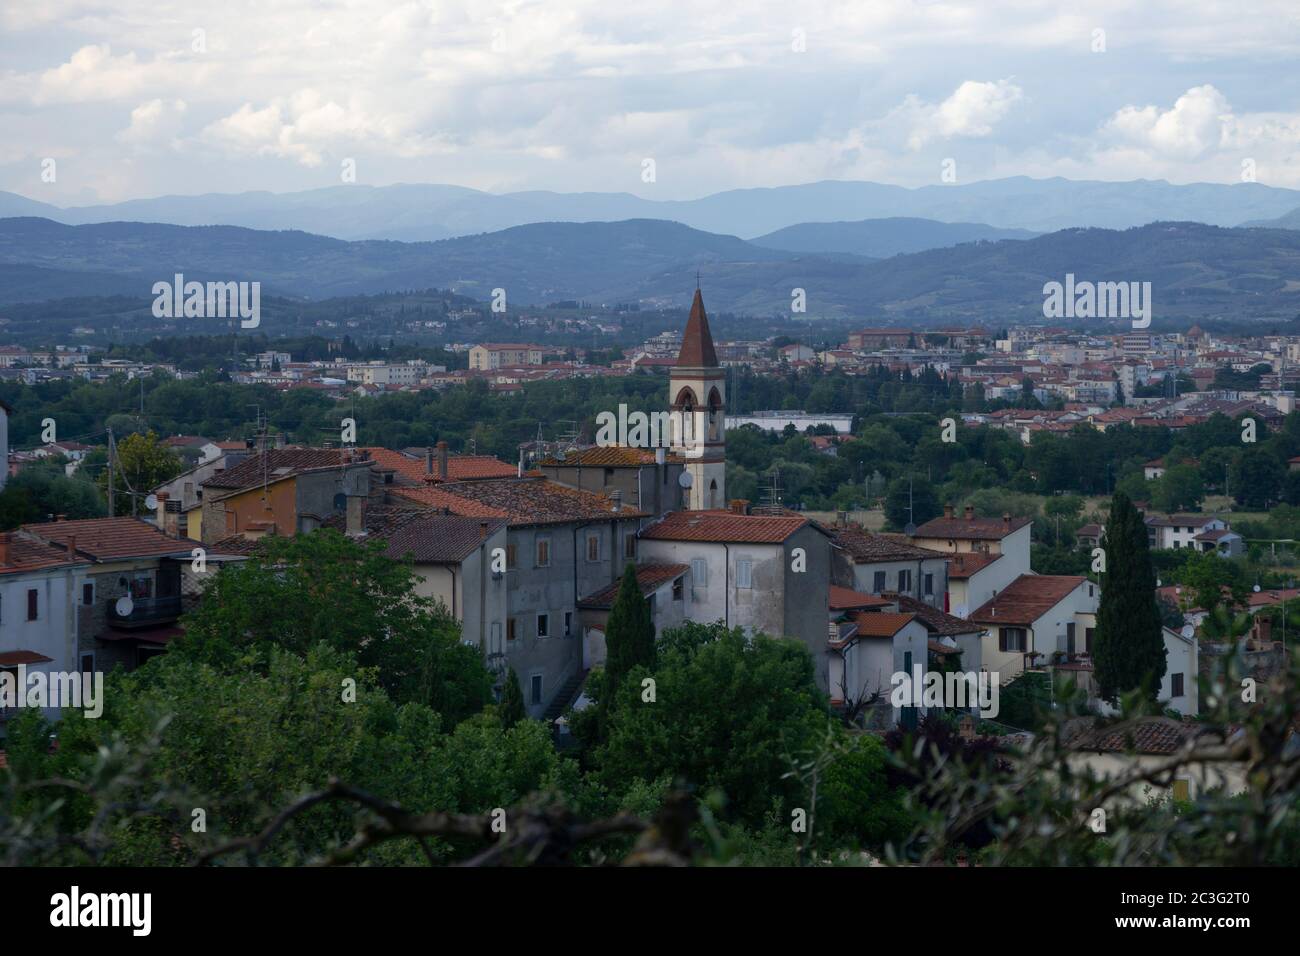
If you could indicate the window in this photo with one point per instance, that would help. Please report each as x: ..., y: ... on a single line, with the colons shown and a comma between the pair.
x: 629, y: 545
x: 536, y: 688
x: 699, y: 573
x: 543, y: 552
x: 142, y: 587
x: 33, y: 603
x: 568, y: 623
x: 744, y: 573
x: 593, y: 547
x: 87, y: 663
x: 1011, y: 639
x: 1087, y: 639
x: 904, y: 581
x: 1069, y: 638
x: 1176, y: 685
x: 878, y: 585
x: 88, y: 593
x: 510, y: 629
x: 929, y: 585
x: 494, y: 646
x: 512, y: 554
x: 543, y: 625
x: 1182, y: 789
x: 678, y: 590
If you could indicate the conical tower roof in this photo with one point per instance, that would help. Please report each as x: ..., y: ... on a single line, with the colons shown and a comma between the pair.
x: 697, y: 342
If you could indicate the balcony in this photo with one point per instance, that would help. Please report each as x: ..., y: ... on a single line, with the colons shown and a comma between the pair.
x: 145, y: 612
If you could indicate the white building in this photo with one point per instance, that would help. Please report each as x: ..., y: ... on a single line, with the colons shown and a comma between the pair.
x: 1035, y: 618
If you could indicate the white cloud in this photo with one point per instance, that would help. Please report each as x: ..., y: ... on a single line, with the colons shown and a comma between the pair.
x: 155, y: 123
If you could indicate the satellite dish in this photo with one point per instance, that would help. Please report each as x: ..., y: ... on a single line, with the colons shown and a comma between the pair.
x: 1188, y: 630
x: 151, y: 502
x: 1255, y: 589
x: 124, y: 606
x: 685, y: 479
x: 961, y: 610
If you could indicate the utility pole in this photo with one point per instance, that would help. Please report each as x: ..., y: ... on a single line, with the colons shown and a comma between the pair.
x: 111, y: 454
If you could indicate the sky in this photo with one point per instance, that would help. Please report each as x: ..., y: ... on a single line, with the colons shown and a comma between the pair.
x: 133, y: 99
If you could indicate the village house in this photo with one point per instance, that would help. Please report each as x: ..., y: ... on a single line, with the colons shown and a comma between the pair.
x: 990, y: 554
x: 1036, y: 620
x: 876, y: 563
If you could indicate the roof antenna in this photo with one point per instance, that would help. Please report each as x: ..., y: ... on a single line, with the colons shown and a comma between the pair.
x: 697, y: 280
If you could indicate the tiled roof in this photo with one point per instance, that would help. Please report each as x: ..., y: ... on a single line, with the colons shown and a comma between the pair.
x: 881, y: 623
x: 1151, y: 735
x: 23, y: 553
x: 967, y: 564
x: 935, y: 621
x: 697, y: 342
x: 524, y: 501
x: 971, y: 528
x: 1027, y: 598
x: 649, y: 577
x: 610, y: 456
x: 723, y: 526
x: 275, y: 464
x: 459, y: 467
x: 428, y: 537
x: 106, y: 539
x: 866, y: 547
x: 1180, y: 521
x: 14, y: 658
x: 236, y: 544
x: 846, y: 599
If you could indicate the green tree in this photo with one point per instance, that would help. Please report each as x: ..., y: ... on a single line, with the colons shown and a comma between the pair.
x: 1128, y: 650
x: 143, y: 463
x: 512, y: 700
x: 910, y: 499
x: 322, y: 587
x: 629, y: 633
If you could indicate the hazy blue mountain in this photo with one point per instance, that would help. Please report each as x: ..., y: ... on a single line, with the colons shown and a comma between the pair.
x: 1197, y: 271
x: 881, y: 238
x: 411, y: 212
x: 1290, y: 220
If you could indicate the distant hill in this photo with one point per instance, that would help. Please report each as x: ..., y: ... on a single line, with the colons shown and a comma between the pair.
x: 1197, y: 271
x: 881, y: 238
x: 1290, y: 220
x: 429, y: 211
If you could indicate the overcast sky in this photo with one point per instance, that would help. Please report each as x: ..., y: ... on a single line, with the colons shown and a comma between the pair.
x: 135, y: 99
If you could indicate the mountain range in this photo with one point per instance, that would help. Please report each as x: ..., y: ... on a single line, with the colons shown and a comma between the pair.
x: 1197, y: 271
x: 415, y: 212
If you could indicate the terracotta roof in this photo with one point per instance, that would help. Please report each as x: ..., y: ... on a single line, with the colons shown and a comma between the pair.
x: 1027, y: 598
x: 649, y: 577
x: 236, y: 544
x: 14, y: 658
x: 866, y: 547
x: 1180, y: 521
x: 697, y: 342
x: 428, y: 537
x: 723, y: 526
x: 1151, y: 735
x: 524, y: 501
x: 935, y: 621
x: 24, y: 553
x: 106, y: 539
x: 276, y: 464
x: 881, y: 623
x: 846, y: 599
x: 977, y: 528
x: 610, y: 456
x: 459, y: 467
x: 937, y: 647
x: 967, y: 564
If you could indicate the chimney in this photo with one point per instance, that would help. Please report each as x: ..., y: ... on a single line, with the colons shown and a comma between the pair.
x: 1006, y: 521
x: 521, y: 463
x: 72, y: 547
x: 442, y: 460
x: 4, y: 547
x: 162, y: 497
x: 970, y: 512
x: 60, y: 517
x: 947, y: 511
x: 356, y: 521
x: 482, y: 529
x: 740, y: 506
x: 616, y: 500
x: 428, y: 461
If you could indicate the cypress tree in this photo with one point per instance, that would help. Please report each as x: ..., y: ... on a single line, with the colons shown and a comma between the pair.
x: 1128, y: 651
x: 629, y: 633
x: 512, y: 700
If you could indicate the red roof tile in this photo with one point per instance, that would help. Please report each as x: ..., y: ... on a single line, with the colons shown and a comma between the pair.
x: 723, y: 526
x: 967, y: 564
x: 881, y: 623
x: 971, y: 528
x: 649, y: 577
x: 23, y: 553
x: 1027, y: 598
x: 14, y: 658
x: 106, y: 539
x: 697, y: 342
x: 845, y: 599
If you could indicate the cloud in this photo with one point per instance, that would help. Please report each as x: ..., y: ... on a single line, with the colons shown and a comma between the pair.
x: 155, y: 123
x: 972, y: 110
x: 1199, y: 121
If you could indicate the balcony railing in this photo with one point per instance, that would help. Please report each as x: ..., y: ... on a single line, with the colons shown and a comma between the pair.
x: 145, y: 612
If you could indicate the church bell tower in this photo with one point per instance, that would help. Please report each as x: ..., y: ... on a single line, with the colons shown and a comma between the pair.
x: 698, y: 398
